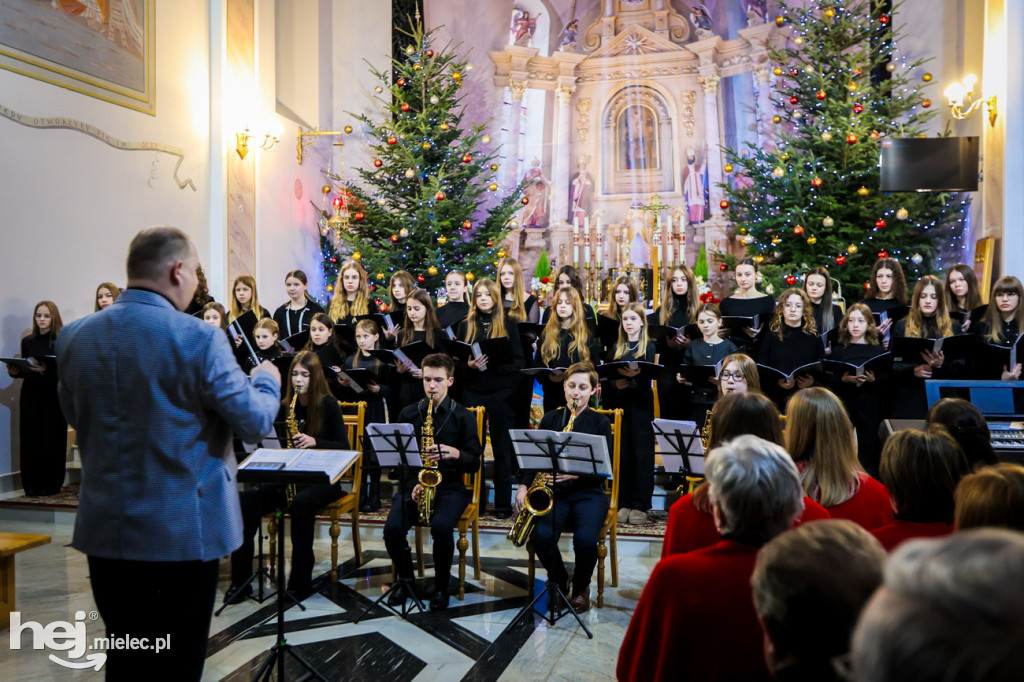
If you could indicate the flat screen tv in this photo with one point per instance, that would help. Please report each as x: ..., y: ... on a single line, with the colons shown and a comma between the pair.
x: 929, y: 164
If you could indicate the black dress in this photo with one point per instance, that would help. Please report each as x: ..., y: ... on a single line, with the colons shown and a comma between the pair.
x: 522, y: 398
x: 292, y: 321
x: 909, y: 398
x: 554, y: 394
x: 673, y: 398
x: 700, y: 352
x: 636, y: 461
x: 863, y: 403
x: 375, y: 414
x: 748, y: 307
x: 794, y: 349
x: 408, y: 389
x: 451, y: 313
x: 819, y: 317
x: 42, y: 427
x: 986, y: 367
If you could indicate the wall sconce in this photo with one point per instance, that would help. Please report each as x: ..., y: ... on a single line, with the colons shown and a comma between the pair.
x: 962, y: 103
x: 242, y: 142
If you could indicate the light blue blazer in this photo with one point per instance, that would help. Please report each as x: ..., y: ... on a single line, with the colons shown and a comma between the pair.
x: 154, y: 395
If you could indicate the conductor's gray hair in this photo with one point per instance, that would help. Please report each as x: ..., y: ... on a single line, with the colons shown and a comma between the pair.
x: 154, y: 249
x: 756, y: 486
x: 948, y: 609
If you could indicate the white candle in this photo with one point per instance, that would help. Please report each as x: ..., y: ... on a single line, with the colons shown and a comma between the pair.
x: 600, y: 247
x: 668, y: 244
x: 586, y: 248
x: 576, y: 240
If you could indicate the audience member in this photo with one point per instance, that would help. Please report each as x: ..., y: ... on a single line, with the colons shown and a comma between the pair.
x: 991, y: 497
x: 967, y: 425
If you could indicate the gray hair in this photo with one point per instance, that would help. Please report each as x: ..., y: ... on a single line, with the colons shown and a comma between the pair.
x: 756, y: 486
x: 155, y: 248
x: 826, y: 568
x: 949, y: 609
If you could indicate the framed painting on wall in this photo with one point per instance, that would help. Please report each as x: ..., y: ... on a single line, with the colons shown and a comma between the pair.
x: 101, y: 48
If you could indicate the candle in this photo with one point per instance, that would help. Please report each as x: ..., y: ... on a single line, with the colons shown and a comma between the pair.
x: 668, y: 244
x: 600, y: 247
x: 576, y: 240
x: 586, y: 248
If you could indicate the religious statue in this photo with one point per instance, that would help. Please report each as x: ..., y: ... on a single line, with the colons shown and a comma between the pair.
x: 637, y: 139
x: 523, y: 28
x: 637, y: 237
x: 535, y: 213
x: 757, y: 12
x: 571, y: 30
x: 701, y: 19
x: 582, y: 190
x: 695, y: 188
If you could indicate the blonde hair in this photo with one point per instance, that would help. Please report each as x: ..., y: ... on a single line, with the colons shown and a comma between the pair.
x: 517, y: 311
x: 622, y: 344
x: 254, y: 303
x: 807, y: 324
x: 634, y: 295
x: 370, y: 327
x: 747, y: 367
x: 917, y: 325
x: 668, y: 299
x: 819, y: 432
x: 341, y: 307
x: 870, y: 334
x: 268, y: 324
x: 580, y: 344
x: 497, y: 312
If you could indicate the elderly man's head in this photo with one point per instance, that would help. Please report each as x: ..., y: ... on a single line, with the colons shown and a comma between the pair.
x: 948, y: 609
x: 754, y: 489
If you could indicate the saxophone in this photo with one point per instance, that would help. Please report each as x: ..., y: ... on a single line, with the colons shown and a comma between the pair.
x: 292, y: 427
x: 539, y: 499
x: 429, y: 476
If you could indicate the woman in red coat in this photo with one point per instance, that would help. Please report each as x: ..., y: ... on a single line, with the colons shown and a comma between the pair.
x: 921, y: 471
x: 695, y: 619
x: 819, y: 436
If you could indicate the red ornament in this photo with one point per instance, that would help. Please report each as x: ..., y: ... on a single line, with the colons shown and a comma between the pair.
x: 926, y: 103
x: 856, y: 72
x: 851, y: 138
x: 525, y: 200
x: 467, y: 158
x: 840, y: 260
x: 392, y: 140
x: 334, y: 259
x: 359, y: 215
x: 337, y: 202
x: 724, y: 204
x: 394, y: 238
x: 883, y: 254
x: 880, y: 224
x: 440, y: 196
x: 816, y: 182
x: 468, y: 225
x: 822, y: 94
x: 723, y: 267
x: 883, y: 19
x: 430, y: 53
x: 794, y: 72
x: 489, y: 243
x: 401, y: 81
x: 405, y: 106
x: 378, y: 163
x: 858, y: 108
x: 421, y: 279
x: 794, y: 99
x: 790, y: 280
x: 874, y: 135
x: 867, y: 285
x: 798, y: 230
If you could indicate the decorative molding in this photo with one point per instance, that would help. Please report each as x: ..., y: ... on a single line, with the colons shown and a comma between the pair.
x: 517, y: 88
x: 709, y: 84
x: 583, y: 118
x: 689, y: 98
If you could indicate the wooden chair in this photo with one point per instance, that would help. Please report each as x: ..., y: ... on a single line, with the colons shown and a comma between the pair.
x: 348, y: 503
x: 609, y: 529
x: 470, y: 518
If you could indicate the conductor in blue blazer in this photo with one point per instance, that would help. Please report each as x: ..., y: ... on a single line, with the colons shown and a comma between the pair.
x: 154, y: 395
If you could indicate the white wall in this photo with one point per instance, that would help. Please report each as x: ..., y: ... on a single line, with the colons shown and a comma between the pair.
x: 71, y: 203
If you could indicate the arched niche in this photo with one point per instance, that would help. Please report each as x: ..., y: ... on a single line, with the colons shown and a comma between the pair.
x: 637, y: 142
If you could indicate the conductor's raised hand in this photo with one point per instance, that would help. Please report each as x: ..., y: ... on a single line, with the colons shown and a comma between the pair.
x: 269, y: 369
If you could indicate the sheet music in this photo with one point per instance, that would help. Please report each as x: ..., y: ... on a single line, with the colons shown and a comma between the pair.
x: 332, y: 462
x: 667, y: 434
x: 285, y: 457
x: 577, y: 457
x: 385, y: 437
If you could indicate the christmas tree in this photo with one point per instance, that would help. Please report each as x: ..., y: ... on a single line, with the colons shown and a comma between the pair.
x: 812, y: 200
x: 425, y: 205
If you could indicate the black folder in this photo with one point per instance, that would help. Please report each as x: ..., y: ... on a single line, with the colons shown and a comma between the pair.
x: 541, y: 372
x: 737, y: 323
x: 907, y: 349
x: 995, y: 356
x: 976, y: 315
x: 649, y: 371
x: 880, y: 364
x: 415, y: 351
x: 530, y: 328
x: 607, y: 330
x: 895, y: 314
x: 771, y: 375
x: 699, y: 376
x: 657, y: 332
x: 295, y: 343
x: 25, y: 364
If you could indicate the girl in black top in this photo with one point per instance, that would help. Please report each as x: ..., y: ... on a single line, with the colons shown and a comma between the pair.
x: 566, y: 340
x: 321, y: 426
x: 492, y: 385
x: 214, y: 314
x: 679, y: 302
x: 568, y: 276
x: 202, y: 295
x: 402, y: 284
x: 521, y: 307
x: 857, y: 342
x: 296, y: 315
x: 791, y: 341
x: 928, y: 319
x: 106, y: 293
x: 706, y: 351
x: 350, y: 301
x: 635, y: 397
x: 324, y: 343
x: 375, y: 393
x: 1004, y: 320
x: 42, y: 427
x: 244, y: 298
x: 457, y: 307
x: 818, y: 287
x: 887, y: 289
x: 962, y: 294
x: 266, y: 334
x: 747, y: 301
x: 420, y: 325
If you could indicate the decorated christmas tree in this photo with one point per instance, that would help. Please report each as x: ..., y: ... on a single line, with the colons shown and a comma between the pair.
x: 841, y: 88
x: 426, y: 204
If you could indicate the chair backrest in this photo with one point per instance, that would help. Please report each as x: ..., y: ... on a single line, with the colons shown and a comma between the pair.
x: 355, y: 418
x: 472, y: 480
x: 615, y: 417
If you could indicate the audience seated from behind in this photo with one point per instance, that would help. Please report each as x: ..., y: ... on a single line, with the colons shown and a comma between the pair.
x: 810, y: 585
x: 695, y: 619
x: 948, y: 609
x: 991, y: 497
x: 819, y: 436
x: 965, y: 422
x: 921, y: 471
x: 690, y: 524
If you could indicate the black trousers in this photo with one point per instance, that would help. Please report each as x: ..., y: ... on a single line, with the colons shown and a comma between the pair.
x: 584, y: 511
x: 309, y: 499
x: 449, y: 503
x: 500, y: 418
x: 154, y: 599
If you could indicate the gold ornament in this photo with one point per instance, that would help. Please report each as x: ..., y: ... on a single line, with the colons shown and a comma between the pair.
x: 357, y: 256
x: 348, y: 130
x: 780, y: 20
x: 432, y: 270
x: 493, y: 187
x: 853, y: 86
x: 410, y: 173
x: 456, y: 76
x: 826, y: 136
x: 902, y: 214
x: 326, y: 189
x: 494, y: 166
x: 891, y: 66
x: 381, y: 201
x: 403, y: 232
x: 777, y: 70
x: 812, y: 240
x: 851, y: 249
x: 776, y: 241
x: 434, y: 99
x: 779, y: 171
x: 799, y: 40
x: 330, y: 288
x: 486, y: 139
x: 759, y: 258
x: 728, y: 168
x: 785, y: 156
x: 830, y: 12
x: 444, y: 126
x: 827, y: 221
x: 776, y: 119
x: 927, y: 78
x: 863, y: 191
x: 417, y: 66
x: 380, y: 276
x: 470, y: 276
x: 442, y: 239
x: 426, y: 145
x: 502, y: 253
x: 378, y: 89
x: 410, y: 50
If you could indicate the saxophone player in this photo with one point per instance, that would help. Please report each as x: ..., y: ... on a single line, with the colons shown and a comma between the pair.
x: 456, y: 451
x: 579, y: 499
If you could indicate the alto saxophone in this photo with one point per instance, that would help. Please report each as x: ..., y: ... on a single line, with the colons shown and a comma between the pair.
x: 539, y: 499
x: 430, y: 476
x: 292, y: 427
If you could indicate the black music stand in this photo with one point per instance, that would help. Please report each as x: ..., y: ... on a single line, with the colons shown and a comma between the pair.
x: 282, y: 648
x: 540, y: 445
x: 398, y: 447
x: 677, y: 443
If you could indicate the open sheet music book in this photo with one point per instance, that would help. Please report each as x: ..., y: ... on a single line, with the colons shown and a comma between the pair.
x: 580, y: 453
x: 333, y: 463
x: 676, y: 440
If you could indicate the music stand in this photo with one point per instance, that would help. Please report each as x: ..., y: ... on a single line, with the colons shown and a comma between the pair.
x: 558, y: 452
x: 681, y: 448
x: 282, y: 648
x: 395, y: 446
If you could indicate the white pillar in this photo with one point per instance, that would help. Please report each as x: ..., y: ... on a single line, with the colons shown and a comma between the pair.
x: 765, y: 110
x: 713, y: 136
x: 560, y: 164
x: 516, y: 88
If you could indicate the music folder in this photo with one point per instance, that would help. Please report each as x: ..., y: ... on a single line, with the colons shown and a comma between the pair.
x: 607, y: 330
x: 895, y: 314
x: 413, y: 352
x: 771, y: 375
x: 648, y: 370
x: 679, y: 444
x: 583, y: 454
x: 976, y: 315
x: 26, y: 364
x: 908, y: 349
x: 700, y: 375
x: 541, y: 372
x: 657, y: 332
x: 294, y: 343
x: 737, y: 323
x: 302, y: 465
x: 880, y: 364
x: 996, y: 356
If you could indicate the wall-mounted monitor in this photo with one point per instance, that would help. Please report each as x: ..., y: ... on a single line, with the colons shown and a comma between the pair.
x: 929, y: 164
